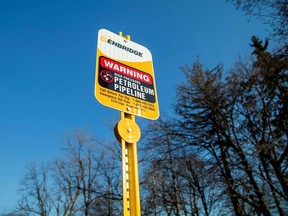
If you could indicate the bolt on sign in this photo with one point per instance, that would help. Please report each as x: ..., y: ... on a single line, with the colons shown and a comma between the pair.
x: 124, y: 76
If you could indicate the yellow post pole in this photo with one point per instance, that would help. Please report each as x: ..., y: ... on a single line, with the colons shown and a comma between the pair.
x: 128, y: 133
x: 125, y: 184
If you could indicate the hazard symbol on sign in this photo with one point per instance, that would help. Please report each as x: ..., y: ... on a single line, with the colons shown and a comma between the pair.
x: 106, y: 76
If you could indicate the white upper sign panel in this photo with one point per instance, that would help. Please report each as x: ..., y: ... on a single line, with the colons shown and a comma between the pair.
x: 118, y: 47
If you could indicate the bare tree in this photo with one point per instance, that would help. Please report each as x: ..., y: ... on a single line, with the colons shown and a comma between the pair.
x: 66, y: 188
x: 109, y: 202
x: 87, y: 176
x: 36, y: 198
x: 236, y: 126
x: 272, y: 12
x: 177, y: 181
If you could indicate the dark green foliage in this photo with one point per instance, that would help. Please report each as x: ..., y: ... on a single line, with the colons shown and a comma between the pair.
x: 235, y: 127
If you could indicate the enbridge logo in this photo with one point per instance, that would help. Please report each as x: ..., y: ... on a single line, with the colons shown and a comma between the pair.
x: 108, y: 39
x: 105, y: 38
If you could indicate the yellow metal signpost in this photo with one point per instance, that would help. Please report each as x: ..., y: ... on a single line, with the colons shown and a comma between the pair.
x: 125, y: 81
x: 128, y: 133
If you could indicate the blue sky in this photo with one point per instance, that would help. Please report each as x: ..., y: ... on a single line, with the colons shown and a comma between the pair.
x: 47, y: 66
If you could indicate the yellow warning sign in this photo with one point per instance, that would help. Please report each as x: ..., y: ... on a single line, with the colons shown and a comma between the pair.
x: 124, y: 78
